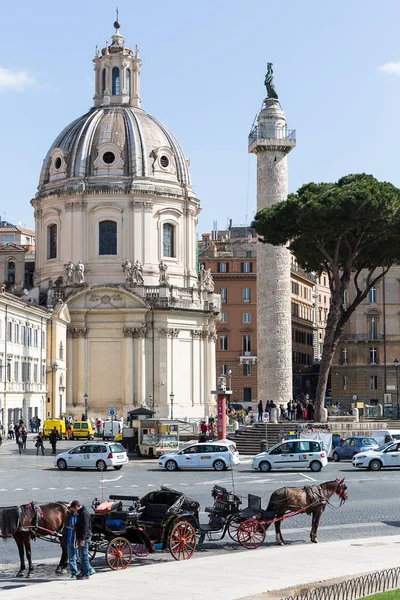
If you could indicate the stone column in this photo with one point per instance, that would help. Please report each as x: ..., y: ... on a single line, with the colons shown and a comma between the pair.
x: 271, y: 142
x: 81, y: 383
x: 139, y: 334
x: 70, y: 369
x: 130, y: 399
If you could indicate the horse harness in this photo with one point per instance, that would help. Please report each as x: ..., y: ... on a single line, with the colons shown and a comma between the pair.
x: 37, y: 514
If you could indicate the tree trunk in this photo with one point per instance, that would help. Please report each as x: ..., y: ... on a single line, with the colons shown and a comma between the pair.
x: 332, y: 335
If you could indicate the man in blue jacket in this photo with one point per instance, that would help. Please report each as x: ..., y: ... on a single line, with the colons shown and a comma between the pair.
x: 83, y: 533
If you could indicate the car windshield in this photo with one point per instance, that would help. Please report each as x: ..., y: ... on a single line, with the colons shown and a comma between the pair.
x: 117, y: 448
x: 383, y: 448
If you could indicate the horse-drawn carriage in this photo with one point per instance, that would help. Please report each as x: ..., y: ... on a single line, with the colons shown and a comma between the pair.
x: 128, y: 525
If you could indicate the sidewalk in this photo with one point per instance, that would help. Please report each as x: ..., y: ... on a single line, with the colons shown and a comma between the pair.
x: 237, y: 575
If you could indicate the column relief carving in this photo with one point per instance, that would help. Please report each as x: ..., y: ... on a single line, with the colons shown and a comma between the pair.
x: 77, y: 332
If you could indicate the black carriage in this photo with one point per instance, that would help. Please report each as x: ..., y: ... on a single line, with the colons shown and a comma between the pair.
x: 164, y: 519
x: 227, y: 516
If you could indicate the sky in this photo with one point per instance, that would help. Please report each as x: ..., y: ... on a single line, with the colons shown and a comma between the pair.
x: 337, y: 73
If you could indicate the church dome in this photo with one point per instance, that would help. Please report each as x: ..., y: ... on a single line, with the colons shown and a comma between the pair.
x: 111, y: 142
x: 116, y: 145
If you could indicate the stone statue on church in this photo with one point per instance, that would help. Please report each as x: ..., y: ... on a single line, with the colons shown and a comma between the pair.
x: 208, y: 281
x: 269, y: 82
x: 128, y: 270
x: 163, y: 273
x: 80, y: 272
x: 69, y: 271
x: 202, y: 277
x: 137, y: 272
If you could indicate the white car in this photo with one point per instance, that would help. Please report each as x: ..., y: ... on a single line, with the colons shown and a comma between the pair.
x: 387, y: 455
x: 99, y: 455
x: 208, y: 455
x: 290, y: 454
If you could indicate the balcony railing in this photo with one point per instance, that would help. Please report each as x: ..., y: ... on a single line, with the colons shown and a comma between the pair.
x: 274, y: 133
x: 362, y: 337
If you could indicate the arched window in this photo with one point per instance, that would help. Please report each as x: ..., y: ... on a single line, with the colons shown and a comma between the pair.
x: 61, y: 351
x: 52, y: 241
x: 168, y: 240
x: 115, y: 82
x: 107, y: 237
x: 128, y: 81
x: 103, y: 81
x: 11, y: 272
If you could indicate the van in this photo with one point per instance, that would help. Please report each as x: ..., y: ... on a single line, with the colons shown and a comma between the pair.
x: 59, y: 424
x: 383, y: 436
x: 111, y: 429
x: 82, y: 429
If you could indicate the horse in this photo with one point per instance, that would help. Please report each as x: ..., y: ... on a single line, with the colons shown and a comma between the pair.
x: 311, y: 498
x: 29, y: 521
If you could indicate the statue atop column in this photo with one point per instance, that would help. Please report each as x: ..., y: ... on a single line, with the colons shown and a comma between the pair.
x: 269, y: 82
x: 208, y: 281
x: 137, y: 272
x: 163, y: 273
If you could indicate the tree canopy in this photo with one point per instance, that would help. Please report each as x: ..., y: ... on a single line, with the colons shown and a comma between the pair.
x: 349, y: 229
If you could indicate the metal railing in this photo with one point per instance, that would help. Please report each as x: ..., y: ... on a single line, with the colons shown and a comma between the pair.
x: 275, y: 133
x: 362, y: 337
x: 352, y: 589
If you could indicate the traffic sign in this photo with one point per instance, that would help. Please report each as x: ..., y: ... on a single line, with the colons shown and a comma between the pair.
x: 112, y: 411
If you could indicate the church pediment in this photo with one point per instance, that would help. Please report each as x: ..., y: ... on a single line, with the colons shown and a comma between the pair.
x: 10, y: 248
x: 106, y: 298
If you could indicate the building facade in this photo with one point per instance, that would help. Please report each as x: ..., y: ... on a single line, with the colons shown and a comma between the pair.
x: 364, y: 368
x: 29, y: 359
x: 232, y: 257
x: 116, y: 218
x: 17, y: 257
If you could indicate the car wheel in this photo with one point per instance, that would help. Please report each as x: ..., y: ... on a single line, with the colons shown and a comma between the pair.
x: 171, y: 465
x: 336, y: 457
x: 118, y: 467
x: 315, y: 466
x: 264, y: 466
x: 101, y: 465
x: 219, y: 465
x: 62, y: 464
x: 375, y: 465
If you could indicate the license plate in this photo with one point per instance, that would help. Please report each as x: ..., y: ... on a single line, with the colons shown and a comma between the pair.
x: 120, y: 456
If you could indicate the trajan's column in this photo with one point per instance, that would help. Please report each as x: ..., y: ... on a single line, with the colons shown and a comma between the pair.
x: 271, y: 141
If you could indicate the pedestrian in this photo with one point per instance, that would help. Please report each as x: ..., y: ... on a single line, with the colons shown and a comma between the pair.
x: 83, y: 533
x: 39, y: 445
x: 69, y: 541
x: 203, y: 432
x: 1, y: 437
x: 311, y: 411
x: 24, y: 434
x: 260, y: 411
x: 99, y: 426
x: 53, y: 438
x: 16, y: 432
x: 10, y: 432
x: 299, y: 411
x: 20, y: 443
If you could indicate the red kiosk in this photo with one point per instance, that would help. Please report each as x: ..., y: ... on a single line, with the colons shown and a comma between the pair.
x: 221, y: 393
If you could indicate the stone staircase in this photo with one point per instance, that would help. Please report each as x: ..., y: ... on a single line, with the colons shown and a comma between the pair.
x: 248, y: 439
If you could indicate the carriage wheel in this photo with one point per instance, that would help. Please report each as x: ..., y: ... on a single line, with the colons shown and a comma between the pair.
x: 182, y: 540
x: 119, y: 553
x: 92, y: 551
x: 140, y: 549
x: 233, y: 527
x: 251, y: 534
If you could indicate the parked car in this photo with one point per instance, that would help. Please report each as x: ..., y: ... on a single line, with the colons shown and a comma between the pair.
x: 289, y: 454
x: 218, y: 455
x: 387, y: 455
x: 82, y: 429
x: 99, y: 455
x: 353, y: 445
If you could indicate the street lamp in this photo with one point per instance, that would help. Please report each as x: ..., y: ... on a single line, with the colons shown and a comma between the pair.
x: 86, y: 406
x: 151, y: 401
x: 171, y: 397
x: 396, y: 364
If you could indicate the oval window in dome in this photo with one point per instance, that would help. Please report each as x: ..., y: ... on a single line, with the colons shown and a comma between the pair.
x: 109, y: 157
x: 57, y: 163
x: 164, y: 161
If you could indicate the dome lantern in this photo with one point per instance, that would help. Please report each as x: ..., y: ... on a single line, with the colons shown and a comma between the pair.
x: 117, y: 69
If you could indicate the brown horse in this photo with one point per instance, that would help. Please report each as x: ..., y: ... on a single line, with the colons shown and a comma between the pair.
x: 29, y: 521
x: 312, y: 498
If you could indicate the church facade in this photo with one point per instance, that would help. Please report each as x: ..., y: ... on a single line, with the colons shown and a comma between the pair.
x: 115, y: 217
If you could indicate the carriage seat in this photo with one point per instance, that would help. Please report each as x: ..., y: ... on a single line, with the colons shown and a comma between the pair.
x: 153, y: 514
x: 107, y: 507
x: 211, y: 510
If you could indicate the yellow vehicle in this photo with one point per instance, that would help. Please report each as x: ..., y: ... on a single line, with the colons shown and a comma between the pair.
x: 59, y: 424
x: 82, y: 429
